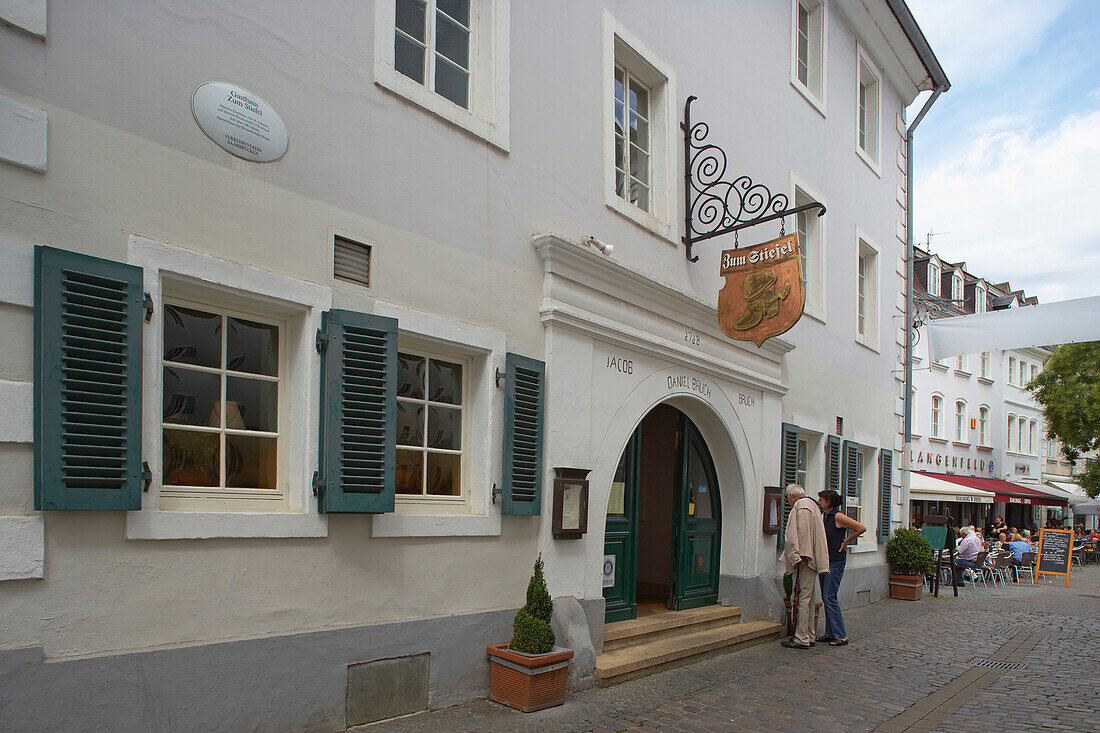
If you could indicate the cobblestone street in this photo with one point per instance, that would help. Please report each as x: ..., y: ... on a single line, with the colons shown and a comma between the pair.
x: 910, y: 667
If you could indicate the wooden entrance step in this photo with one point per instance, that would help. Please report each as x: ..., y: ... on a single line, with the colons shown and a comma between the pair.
x: 646, y: 645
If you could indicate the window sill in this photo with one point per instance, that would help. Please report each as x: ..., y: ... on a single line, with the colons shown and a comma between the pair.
x: 815, y: 102
x: 159, y: 525
x: 868, y: 161
x: 964, y: 375
x: 941, y: 441
x: 941, y: 367
x: 22, y: 547
x: 985, y: 380
x: 867, y: 344
x: 815, y: 313
x: 397, y: 83
x: 960, y: 443
x: 863, y: 546
x: 644, y: 219
x: 985, y: 448
x: 434, y: 525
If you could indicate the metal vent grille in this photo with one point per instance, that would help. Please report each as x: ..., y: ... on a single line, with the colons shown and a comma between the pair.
x: 351, y: 261
x: 94, y: 343
x: 363, y: 442
x: 840, y: 426
x: 525, y: 461
x: 993, y: 664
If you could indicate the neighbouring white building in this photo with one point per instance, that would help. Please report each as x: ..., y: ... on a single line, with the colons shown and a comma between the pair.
x: 978, y: 433
x: 277, y: 435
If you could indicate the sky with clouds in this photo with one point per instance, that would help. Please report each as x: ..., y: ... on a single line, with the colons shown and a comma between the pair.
x: 1007, y: 163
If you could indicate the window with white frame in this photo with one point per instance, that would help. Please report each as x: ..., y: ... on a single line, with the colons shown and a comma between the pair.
x: 866, y: 293
x: 220, y: 425
x: 1023, y: 373
x: 867, y: 112
x: 810, y: 236
x: 1034, y: 371
x: 985, y: 365
x: 808, y: 46
x: 1012, y: 370
x: 1033, y: 437
x: 639, y: 89
x: 632, y: 140
x: 803, y: 464
x: 933, y: 278
x: 937, y: 416
x: 962, y: 364
x: 449, y: 57
x: 980, y: 303
x: 1021, y: 434
x: 1010, y: 433
x: 431, y: 397
x: 956, y: 285
x: 854, y: 501
x: 960, y: 422
x: 983, y: 426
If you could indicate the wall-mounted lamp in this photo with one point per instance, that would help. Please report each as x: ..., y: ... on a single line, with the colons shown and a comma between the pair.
x: 597, y: 244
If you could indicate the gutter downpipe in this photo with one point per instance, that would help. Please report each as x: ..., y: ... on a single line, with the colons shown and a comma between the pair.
x: 907, y: 423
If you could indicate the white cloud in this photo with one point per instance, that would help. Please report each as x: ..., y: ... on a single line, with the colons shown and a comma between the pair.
x: 1021, y: 205
x: 976, y: 39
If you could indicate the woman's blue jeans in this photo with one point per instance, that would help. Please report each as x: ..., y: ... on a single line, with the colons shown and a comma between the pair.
x: 830, y: 584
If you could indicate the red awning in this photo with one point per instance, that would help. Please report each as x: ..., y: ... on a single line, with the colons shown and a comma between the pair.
x: 1005, y: 491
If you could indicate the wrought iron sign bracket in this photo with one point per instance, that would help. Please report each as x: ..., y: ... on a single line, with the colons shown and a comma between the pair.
x: 714, y: 206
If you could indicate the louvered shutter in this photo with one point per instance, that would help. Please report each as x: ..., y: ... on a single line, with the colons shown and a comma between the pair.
x: 885, y: 494
x: 850, y: 450
x: 358, y: 412
x: 87, y: 382
x: 832, y: 463
x: 788, y: 471
x: 524, y: 404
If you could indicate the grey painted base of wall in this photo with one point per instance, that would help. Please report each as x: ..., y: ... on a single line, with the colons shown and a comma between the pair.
x: 293, y: 682
x: 761, y: 597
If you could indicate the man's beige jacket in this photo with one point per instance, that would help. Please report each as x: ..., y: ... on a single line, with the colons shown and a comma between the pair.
x: 805, y: 536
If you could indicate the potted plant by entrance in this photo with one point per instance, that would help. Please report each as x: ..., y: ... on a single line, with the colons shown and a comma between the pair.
x: 910, y: 557
x: 528, y: 673
x: 788, y: 590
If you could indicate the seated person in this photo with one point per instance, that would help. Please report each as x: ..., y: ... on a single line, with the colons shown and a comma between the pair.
x: 966, y: 553
x: 1018, y: 547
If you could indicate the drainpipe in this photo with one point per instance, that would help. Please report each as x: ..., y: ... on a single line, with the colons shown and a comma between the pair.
x: 907, y: 423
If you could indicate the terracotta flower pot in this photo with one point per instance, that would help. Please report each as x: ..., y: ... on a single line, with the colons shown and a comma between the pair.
x: 906, y: 587
x: 528, y: 682
x: 790, y: 618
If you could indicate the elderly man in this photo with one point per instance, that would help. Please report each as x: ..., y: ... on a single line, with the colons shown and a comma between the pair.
x: 966, y: 552
x: 807, y: 556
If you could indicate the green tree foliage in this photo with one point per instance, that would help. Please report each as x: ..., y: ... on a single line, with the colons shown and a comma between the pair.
x: 1069, y: 390
x: 531, y: 630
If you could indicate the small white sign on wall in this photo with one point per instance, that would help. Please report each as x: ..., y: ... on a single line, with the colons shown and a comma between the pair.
x: 608, y: 571
x: 239, y: 122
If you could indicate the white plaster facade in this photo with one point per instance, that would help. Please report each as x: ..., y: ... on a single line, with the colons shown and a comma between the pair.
x: 475, y: 224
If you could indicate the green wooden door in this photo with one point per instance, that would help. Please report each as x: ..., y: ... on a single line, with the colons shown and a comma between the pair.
x: 697, y: 524
x: 621, y: 536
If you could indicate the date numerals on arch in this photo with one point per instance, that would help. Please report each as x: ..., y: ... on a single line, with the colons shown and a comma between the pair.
x: 691, y: 337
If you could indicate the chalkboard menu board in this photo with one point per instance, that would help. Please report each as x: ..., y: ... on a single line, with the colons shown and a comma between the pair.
x: 1055, y: 552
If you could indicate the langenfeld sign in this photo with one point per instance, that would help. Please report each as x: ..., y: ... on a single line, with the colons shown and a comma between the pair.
x: 763, y: 295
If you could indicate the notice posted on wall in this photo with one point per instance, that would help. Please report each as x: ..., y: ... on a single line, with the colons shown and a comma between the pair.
x: 239, y: 122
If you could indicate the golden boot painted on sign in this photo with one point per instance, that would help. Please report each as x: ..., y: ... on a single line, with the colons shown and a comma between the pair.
x: 764, y: 294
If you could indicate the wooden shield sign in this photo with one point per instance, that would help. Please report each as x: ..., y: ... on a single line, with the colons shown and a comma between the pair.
x: 763, y: 295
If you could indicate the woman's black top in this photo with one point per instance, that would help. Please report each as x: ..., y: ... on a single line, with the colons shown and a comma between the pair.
x: 834, y: 536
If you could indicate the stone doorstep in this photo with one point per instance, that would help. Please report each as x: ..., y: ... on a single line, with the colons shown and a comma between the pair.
x: 681, y: 648
x: 623, y: 634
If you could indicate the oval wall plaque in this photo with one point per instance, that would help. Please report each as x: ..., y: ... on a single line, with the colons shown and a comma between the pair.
x: 239, y: 122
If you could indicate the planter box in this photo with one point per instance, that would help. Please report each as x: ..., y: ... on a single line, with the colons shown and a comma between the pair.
x: 528, y: 682
x: 906, y: 587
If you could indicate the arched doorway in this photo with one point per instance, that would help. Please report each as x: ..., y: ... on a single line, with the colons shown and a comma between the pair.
x: 664, y: 520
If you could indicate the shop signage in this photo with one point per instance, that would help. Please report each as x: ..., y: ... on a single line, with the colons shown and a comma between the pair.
x: 942, y: 460
x: 763, y: 294
x: 1023, y: 469
x: 570, y: 504
x: 608, y: 571
x: 239, y: 122
x: 1055, y: 553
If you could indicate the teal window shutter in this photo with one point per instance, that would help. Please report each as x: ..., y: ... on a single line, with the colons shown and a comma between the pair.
x: 87, y: 382
x: 524, y: 405
x: 850, y: 474
x: 885, y: 494
x: 788, y: 472
x: 832, y: 463
x: 358, y: 450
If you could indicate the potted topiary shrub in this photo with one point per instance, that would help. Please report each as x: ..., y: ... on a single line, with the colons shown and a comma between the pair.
x: 788, y: 590
x: 910, y: 557
x: 529, y: 673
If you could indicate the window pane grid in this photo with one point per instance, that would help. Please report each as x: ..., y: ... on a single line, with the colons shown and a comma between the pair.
x: 803, y: 44
x: 422, y: 378
x: 440, y: 60
x: 632, y: 142
x: 185, y: 457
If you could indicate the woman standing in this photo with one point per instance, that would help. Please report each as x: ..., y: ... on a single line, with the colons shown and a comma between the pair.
x: 840, y: 529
